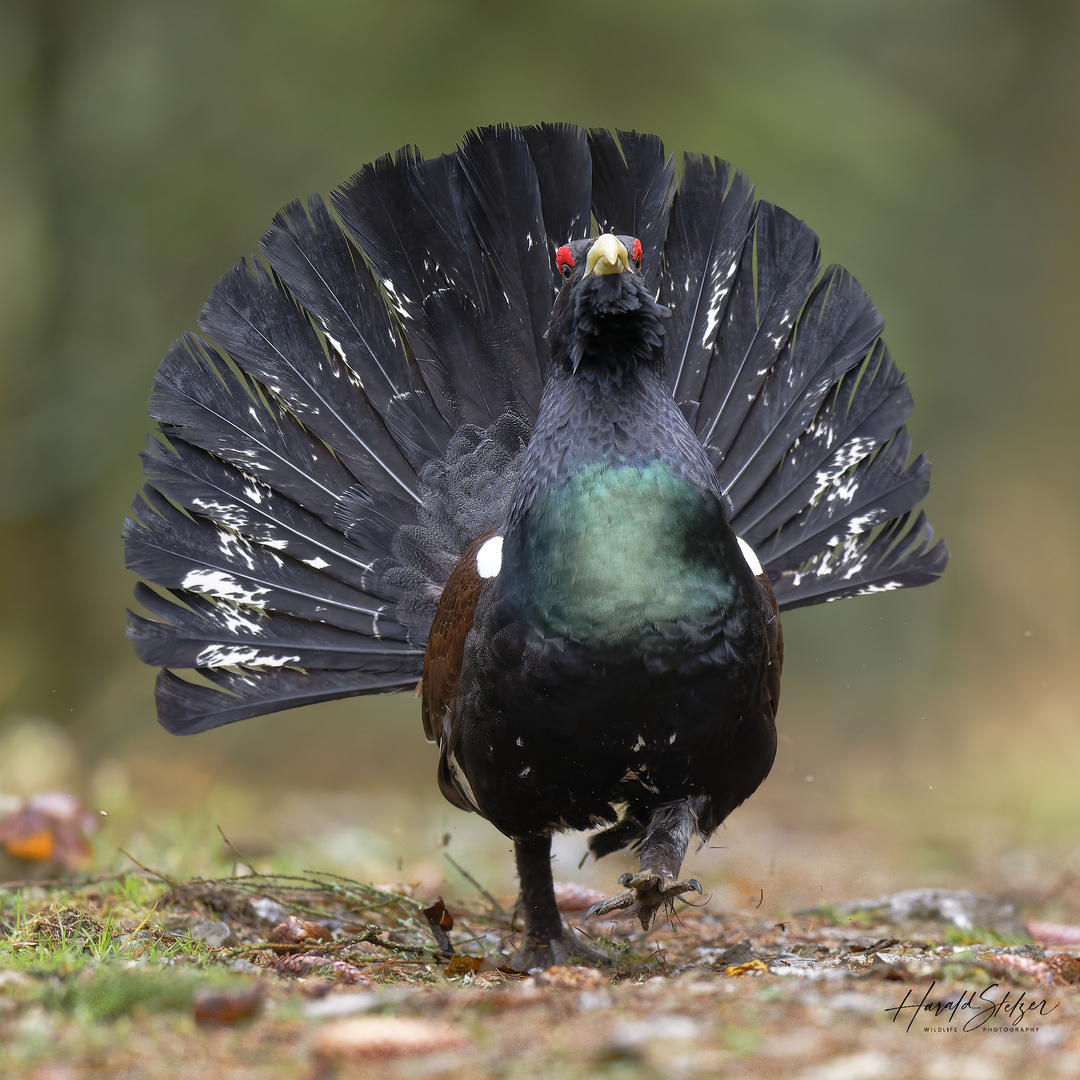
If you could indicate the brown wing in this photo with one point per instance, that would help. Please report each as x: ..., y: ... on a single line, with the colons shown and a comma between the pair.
x: 776, y: 645
x: 446, y: 642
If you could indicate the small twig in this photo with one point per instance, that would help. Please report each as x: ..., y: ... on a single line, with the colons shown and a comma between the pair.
x: 234, y: 850
x: 148, y: 870
x: 497, y: 909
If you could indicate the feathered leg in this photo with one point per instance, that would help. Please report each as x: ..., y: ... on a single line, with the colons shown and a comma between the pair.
x: 546, y: 941
x: 662, y: 852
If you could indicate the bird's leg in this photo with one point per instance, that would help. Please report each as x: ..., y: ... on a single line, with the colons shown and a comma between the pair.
x: 662, y: 852
x: 546, y: 942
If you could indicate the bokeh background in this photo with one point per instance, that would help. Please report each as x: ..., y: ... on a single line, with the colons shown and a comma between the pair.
x: 929, y: 737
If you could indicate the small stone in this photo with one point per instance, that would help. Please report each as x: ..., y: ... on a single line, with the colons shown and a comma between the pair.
x: 214, y: 933
x: 372, y: 1037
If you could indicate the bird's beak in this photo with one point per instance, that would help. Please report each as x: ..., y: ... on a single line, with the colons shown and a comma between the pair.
x: 607, y: 256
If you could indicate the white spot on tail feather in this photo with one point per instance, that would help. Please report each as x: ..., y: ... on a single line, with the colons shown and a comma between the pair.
x: 233, y: 655
x: 224, y: 586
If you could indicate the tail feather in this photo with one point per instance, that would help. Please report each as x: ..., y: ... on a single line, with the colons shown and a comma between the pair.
x: 898, y: 557
x: 369, y: 413
x: 633, y: 186
x: 450, y: 256
x: 273, y: 341
x: 563, y: 164
x: 864, y: 409
x: 206, y: 633
x: 710, y: 220
x: 209, y: 488
x: 200, y: 398
x: 834, y: 332
x: 874, y: 491
x: 777, y: 270
x: 329, y: 277
x: 165, y: 546
x: 185, y: 708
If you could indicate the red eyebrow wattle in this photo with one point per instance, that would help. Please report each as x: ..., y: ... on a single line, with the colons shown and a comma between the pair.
x: 563, y: 257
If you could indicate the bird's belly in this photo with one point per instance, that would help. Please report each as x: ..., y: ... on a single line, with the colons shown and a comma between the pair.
x: 559, y: 736
x: 610, y: 554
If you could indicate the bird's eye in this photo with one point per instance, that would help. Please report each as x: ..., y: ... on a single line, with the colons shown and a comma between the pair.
x: 635, y: 254
x: 564, y: 261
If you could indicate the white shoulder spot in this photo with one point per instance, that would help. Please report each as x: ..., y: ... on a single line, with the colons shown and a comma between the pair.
x: 750, y: 557
x: 489, y: 558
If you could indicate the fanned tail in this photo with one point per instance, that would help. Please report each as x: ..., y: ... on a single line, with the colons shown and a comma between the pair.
x: 359, y: 414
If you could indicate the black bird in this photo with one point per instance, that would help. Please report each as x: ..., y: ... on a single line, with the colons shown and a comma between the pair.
x: 567, y: 481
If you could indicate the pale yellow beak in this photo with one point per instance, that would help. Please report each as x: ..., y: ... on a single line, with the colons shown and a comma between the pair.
x: 607, y: 256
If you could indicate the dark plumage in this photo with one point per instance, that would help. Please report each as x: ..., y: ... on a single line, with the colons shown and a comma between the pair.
x: 414, y: 459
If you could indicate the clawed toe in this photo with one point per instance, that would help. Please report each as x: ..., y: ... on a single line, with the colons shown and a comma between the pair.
x: 646, y: 892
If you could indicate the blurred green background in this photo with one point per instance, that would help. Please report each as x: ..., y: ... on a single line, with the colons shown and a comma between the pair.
x: 932, y: 144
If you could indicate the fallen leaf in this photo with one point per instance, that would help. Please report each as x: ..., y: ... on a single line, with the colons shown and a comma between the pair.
x: 462, y: 965
x: 295, y: 930
x: 734, y: 970
x: 227, y: 1007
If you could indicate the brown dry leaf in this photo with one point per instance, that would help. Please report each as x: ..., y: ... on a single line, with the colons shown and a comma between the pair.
x: 294, y: 930
x: 566, y: 977
x: 462, y: 965
x: 1066, y: 968
x: 370, y: 1037
x: 751, y: 966
x: 227, y: 1007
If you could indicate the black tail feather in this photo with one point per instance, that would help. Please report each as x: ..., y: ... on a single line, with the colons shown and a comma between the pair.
x: 263, y: 330
x: 710, y: 220
x: 209, y: 488
x: 563, y: 164
x: 165, y: 546
x: 633, y: 185
x: 897, y: 557
x: 204, y: 633
x: 329, y: 277
x: 864, y: 409
x: 450, y: 256
x: 185, y: 708
x: 200, y: 398
x: 777, y: 271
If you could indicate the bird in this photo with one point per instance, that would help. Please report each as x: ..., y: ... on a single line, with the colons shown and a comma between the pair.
x: 549, y: 432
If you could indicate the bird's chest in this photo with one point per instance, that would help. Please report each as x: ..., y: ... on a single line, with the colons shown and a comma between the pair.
x: 611, y: 553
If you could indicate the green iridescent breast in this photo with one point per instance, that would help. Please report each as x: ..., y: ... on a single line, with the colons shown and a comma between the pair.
x: 612, y: 551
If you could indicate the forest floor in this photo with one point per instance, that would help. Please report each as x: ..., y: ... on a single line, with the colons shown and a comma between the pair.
x: 314, y: 976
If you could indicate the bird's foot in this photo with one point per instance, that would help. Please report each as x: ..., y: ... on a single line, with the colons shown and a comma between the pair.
x: 567, y: 949
x: 645, y: 893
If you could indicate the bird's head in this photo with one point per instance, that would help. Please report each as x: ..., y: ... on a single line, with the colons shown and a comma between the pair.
x: 604, y: 318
